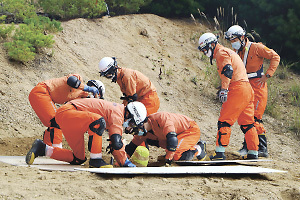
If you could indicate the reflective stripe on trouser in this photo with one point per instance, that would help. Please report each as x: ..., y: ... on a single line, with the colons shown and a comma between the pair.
x: 42, y: 103
x: 74, y: 124
x: 239, y: 107
x: 151, y: 102
x: 187, y: 140
x: 260, y: 97
x: 52, y: 136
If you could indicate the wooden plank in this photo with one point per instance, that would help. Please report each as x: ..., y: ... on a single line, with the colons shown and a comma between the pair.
x: 42, y: 163
x: 219, y: 162
x: 183, y: 170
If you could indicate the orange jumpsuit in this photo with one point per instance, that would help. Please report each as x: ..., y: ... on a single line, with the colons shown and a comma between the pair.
x: 134, y: 82
x: 43, y: 98
x: 77, y: 117
x: 239, y: 105
x: 188, y: 132
x: 254, y: 63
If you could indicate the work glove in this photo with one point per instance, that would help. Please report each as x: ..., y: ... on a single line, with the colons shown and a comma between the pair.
x: 223, y: 95
x: 93, y: 90
x: 128, y: 163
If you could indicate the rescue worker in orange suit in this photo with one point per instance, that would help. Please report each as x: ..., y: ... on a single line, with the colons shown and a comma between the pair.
x: 90, y: 115
x: 59, y: 90
x: 133, y: 84
x: 236, y: 96
x: 177, y: 134
x: 253, y: 55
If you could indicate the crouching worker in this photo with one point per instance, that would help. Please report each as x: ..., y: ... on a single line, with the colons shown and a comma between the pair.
x: 58, y: 90
x: 176, y: 133
x: 86, y: 115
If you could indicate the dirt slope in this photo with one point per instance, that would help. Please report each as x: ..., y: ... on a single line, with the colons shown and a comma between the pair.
x: 165, y: 51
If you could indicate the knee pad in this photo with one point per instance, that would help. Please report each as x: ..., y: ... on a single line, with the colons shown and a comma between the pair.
x: 223, y: 136
x: 77, y: 161
x: 172, y: 141
x: 102, y: 125
x: 53, y: 123
x: 223, y: 124
x: 246, y: 128
x: 116, y: 141
x: 188, y: 155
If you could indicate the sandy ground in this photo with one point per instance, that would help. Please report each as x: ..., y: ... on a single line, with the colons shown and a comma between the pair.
x: 165, y: 51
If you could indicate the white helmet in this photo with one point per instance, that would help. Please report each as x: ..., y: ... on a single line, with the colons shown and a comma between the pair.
x: 99, y: 85
x: 105, y: 63
x: 233, y: 32
x: 205, y: 40
x: 137, y: 111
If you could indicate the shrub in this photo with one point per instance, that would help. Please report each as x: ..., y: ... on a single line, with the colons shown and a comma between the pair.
x: 6, y: 30
x: 20, y: 50
x: 26, y: 42
x: 120, y: 7
x: 43, y: 23
x: 69, y: 9
x: 18, y: 10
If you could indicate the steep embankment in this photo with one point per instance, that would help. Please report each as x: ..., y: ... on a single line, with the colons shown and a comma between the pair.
x: 165, y: 51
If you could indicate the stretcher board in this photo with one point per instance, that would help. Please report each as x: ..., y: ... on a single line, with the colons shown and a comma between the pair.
x: 182, y: 170
x: 220, y: 162
x: 42, y: 163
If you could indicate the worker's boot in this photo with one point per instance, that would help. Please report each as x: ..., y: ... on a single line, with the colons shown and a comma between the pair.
x: 38, y: 149
x: 262, y: 147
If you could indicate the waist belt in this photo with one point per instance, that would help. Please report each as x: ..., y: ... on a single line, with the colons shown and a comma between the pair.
x: 255, y: 75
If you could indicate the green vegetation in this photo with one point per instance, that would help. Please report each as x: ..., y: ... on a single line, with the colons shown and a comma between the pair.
x: 70, y: 9
x: 23, y: 41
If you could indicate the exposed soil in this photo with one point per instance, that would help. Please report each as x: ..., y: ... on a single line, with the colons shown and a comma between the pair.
x: 165, y: 51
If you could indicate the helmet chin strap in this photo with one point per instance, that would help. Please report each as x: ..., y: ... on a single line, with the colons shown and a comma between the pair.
x: 242, y: 44
x: 212, y: 54
x: 114, y: 79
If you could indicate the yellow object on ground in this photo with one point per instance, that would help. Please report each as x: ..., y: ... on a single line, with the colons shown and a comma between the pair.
x: 140, y: 157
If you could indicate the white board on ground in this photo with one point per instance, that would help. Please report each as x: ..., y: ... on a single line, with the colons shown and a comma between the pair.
x: 42, y: 163
x: 197, y: 162
x: 183, y: 170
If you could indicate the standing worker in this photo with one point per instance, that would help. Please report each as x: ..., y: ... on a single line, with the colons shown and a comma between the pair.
x: 86, y: 115
x: 177, y: 134
x: 133, y: 84
x: 59, y: 90
x: 236, y: 96
x: 253, y: 55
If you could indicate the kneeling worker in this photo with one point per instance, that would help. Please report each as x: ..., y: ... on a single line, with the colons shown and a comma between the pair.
x: 177, y: 134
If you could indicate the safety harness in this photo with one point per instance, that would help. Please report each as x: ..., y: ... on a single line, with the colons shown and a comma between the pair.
x: 257, y: 74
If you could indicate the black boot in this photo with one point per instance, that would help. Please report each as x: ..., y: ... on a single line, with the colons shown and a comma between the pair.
x: 262, y: 147
x: 243, y: 151
x: 38, y: 149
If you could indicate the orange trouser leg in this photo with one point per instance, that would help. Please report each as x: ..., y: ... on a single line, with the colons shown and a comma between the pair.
x: 260, y: 97
x: 252, y: 139
x: 62, y: 154
x: 42, y: 103
x: 52, y: 136
x: 151, y: 102
x: 260, y: 128
x: 240, y: 95
x: 74, y: 124
x: 223, y: 136
x: 187, y: 140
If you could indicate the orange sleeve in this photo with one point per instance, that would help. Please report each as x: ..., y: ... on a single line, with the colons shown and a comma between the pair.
x: 223, y: 59
x: 270, y: 54
x: 126, y: 81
